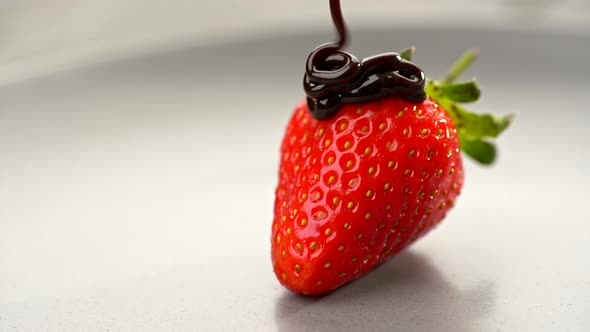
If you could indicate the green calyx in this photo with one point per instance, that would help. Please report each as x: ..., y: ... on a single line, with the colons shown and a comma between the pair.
x: 476, y: 131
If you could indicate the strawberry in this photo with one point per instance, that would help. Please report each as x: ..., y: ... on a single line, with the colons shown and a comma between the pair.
x: 370, y: 162
x: 357, y: 188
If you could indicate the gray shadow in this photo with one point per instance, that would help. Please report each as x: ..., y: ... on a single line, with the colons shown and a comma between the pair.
x: 405, y: 294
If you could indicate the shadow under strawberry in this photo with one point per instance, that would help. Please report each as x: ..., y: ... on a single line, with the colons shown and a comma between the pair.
x: 407, y: 293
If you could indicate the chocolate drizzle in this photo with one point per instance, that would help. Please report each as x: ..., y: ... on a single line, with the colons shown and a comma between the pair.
x: 334, y: 77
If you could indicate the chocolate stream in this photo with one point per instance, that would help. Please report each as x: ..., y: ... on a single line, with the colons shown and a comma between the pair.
x: 334, y: 77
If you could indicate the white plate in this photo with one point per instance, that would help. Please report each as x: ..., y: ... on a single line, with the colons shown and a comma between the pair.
x: 137, y: 195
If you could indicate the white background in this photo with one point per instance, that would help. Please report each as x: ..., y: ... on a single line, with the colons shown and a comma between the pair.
x: 40, y: 37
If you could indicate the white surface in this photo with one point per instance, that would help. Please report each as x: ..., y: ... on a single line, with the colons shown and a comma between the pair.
x: 137, y: 196
x: 43, y: 37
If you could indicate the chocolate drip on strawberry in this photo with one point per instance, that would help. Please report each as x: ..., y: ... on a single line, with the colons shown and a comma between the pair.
x: 334, y: 77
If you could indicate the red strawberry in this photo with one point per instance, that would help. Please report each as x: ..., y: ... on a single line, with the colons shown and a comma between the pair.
x: 368, y: 163
x: 357, y: 188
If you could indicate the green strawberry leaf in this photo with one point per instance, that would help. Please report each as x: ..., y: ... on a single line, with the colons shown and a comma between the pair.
x: 461, y: 92
x: 474, y: 130
x: 480, y: 150
x: 484, y: 125
x: 407, y: 53
x: 476, y: 125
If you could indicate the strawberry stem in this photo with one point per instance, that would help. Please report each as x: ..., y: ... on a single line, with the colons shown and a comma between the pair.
x: 460, y: 66
x: 476, y: 131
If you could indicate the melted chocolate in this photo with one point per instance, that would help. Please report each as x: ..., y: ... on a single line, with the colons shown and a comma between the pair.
x: 334, y: 77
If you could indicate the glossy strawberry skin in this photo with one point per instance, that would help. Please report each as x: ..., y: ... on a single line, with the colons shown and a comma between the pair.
x: 356, y: 189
